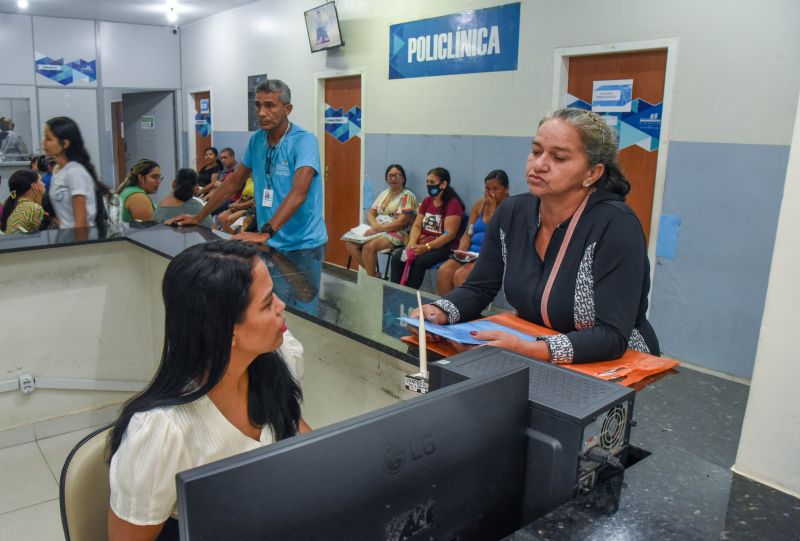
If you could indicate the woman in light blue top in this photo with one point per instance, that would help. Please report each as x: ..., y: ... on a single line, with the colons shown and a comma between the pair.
x: 455, y: 270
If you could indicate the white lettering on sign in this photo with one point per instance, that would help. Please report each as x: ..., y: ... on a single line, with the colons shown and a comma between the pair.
x: 459, y: 44
x: 607, y: 95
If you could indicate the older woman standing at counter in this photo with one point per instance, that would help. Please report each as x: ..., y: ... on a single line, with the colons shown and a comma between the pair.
x: 570, y: 255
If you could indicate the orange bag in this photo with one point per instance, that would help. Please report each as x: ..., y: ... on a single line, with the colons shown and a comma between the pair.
x: 631, y: 368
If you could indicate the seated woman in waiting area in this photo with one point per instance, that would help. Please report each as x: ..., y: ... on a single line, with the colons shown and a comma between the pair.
x: 142, y: 181
x: 23, y: 211
x: 570, y: 255
x: 231, y: 388
x: 390, y: 217
x: 434, y: 234
x: 455, y: 270
x: 181, y: 200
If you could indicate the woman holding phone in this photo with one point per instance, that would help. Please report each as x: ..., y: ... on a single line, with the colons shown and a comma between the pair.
x: 455, y: 271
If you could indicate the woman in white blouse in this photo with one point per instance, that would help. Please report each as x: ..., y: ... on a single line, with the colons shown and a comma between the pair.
x: 229, y: 388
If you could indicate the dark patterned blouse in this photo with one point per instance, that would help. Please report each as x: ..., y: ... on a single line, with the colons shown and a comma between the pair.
x: 598, y: 301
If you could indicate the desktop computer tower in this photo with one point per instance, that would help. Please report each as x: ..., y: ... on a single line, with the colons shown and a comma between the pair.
x: 578, y: 426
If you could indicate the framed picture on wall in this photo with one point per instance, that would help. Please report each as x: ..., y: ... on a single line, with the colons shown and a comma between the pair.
x: 252, y: 117
x: 15, y: 130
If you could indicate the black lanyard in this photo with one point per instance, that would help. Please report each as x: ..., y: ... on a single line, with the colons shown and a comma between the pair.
x: 272, y: 154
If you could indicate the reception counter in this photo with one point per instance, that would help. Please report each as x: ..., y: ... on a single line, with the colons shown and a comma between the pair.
x: 87, y: 306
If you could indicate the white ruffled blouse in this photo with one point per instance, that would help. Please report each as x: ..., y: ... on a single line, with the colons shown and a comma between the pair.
x: 162, y: 442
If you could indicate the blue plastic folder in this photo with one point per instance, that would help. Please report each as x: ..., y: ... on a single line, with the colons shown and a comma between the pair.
x: 460, y: 331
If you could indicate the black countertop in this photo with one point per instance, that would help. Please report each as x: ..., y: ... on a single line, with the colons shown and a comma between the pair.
x: 689, y: 421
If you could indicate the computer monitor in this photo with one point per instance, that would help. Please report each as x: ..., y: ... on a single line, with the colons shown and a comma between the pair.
x: 322, y: 25
x: 446, y: 465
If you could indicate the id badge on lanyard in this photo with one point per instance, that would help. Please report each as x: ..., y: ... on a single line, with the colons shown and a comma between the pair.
x: 266, y: 198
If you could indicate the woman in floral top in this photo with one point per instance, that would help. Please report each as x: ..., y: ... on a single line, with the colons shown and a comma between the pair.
x: 22, y: 211
x: 389, y: 217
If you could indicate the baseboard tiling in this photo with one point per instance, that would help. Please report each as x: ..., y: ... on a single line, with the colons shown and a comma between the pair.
x: 60, y: 425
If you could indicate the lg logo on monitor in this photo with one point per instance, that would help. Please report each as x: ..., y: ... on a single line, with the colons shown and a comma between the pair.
x: 394, y: 454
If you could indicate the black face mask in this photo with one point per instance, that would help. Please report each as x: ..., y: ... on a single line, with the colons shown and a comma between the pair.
x: 433, y: 191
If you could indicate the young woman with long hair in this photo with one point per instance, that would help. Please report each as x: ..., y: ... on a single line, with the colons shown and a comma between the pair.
x: 142, y: 181
x: 229, y: 388
x: 22, y: 211
x: 75, y: 191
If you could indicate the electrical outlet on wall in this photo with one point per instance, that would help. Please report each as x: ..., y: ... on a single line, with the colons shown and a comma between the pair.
x: 26, y: 383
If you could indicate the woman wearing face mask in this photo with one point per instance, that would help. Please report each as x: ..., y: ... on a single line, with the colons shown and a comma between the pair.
x: 23, y: 212
x: 455, y: 270
x: 435, y: 231
x: 142, y: 181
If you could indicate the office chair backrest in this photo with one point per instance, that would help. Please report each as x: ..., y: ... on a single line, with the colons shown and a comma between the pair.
x: 84, y: 491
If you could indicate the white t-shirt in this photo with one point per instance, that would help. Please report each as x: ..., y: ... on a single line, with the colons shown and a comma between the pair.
x: 162, y: 442
x: 71, y: 180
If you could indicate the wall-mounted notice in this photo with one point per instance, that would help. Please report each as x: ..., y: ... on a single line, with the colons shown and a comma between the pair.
x: 147, y: 122
x: 469, y: 42
x: 252, y: 117
x: 205, y: 106
x: 612, y: 96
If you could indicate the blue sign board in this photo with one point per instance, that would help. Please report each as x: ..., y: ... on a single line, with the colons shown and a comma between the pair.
x: 468, y: 42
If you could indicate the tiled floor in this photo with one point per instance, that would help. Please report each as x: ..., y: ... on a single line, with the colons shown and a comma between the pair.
x: 29, y: 476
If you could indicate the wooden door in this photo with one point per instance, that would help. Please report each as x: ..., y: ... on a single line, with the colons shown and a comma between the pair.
x: 342, y: 162
x: 118, y: 133
x: 202, y: 126
x: 638, y: 154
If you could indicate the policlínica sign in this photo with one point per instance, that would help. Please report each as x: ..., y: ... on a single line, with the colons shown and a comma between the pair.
x: 469, y: 42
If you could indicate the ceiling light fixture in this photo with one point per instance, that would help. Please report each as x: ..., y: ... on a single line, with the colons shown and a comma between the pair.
x: 171, y: 15
x: 22, y: 4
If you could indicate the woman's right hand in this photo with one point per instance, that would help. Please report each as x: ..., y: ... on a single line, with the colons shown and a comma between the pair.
x: 432, y: 313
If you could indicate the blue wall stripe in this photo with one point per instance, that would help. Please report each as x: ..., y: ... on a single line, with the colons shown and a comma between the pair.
x: 707, y: 301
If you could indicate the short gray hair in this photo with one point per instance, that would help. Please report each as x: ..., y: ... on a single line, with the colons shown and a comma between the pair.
x: 599, y: 145
x: 276, y: 85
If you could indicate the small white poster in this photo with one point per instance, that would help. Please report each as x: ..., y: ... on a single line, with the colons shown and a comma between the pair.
x: 612, y: 96
x: 147, y: 122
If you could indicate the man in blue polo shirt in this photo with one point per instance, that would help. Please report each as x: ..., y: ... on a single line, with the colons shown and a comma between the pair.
x: 283, y: 159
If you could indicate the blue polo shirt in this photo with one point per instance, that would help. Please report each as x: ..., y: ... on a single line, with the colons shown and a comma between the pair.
x: 298, y: 148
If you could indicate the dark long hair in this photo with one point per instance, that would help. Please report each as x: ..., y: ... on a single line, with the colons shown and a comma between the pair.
x: 18, y: 184
x: 185, y: 182
x: 65, y: 129
x: 143, y: 168
x: 207, y: 287
x: 448, y: 193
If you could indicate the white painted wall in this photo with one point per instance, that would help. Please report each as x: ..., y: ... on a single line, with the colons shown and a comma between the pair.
x: 16, y: 50
x: 76, y: 312
x: 770, y: 443
x: 738, y: 65
x: 139, y: 56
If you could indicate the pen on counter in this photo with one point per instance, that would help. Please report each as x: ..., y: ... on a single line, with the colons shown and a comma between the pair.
x: 423, y: 351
